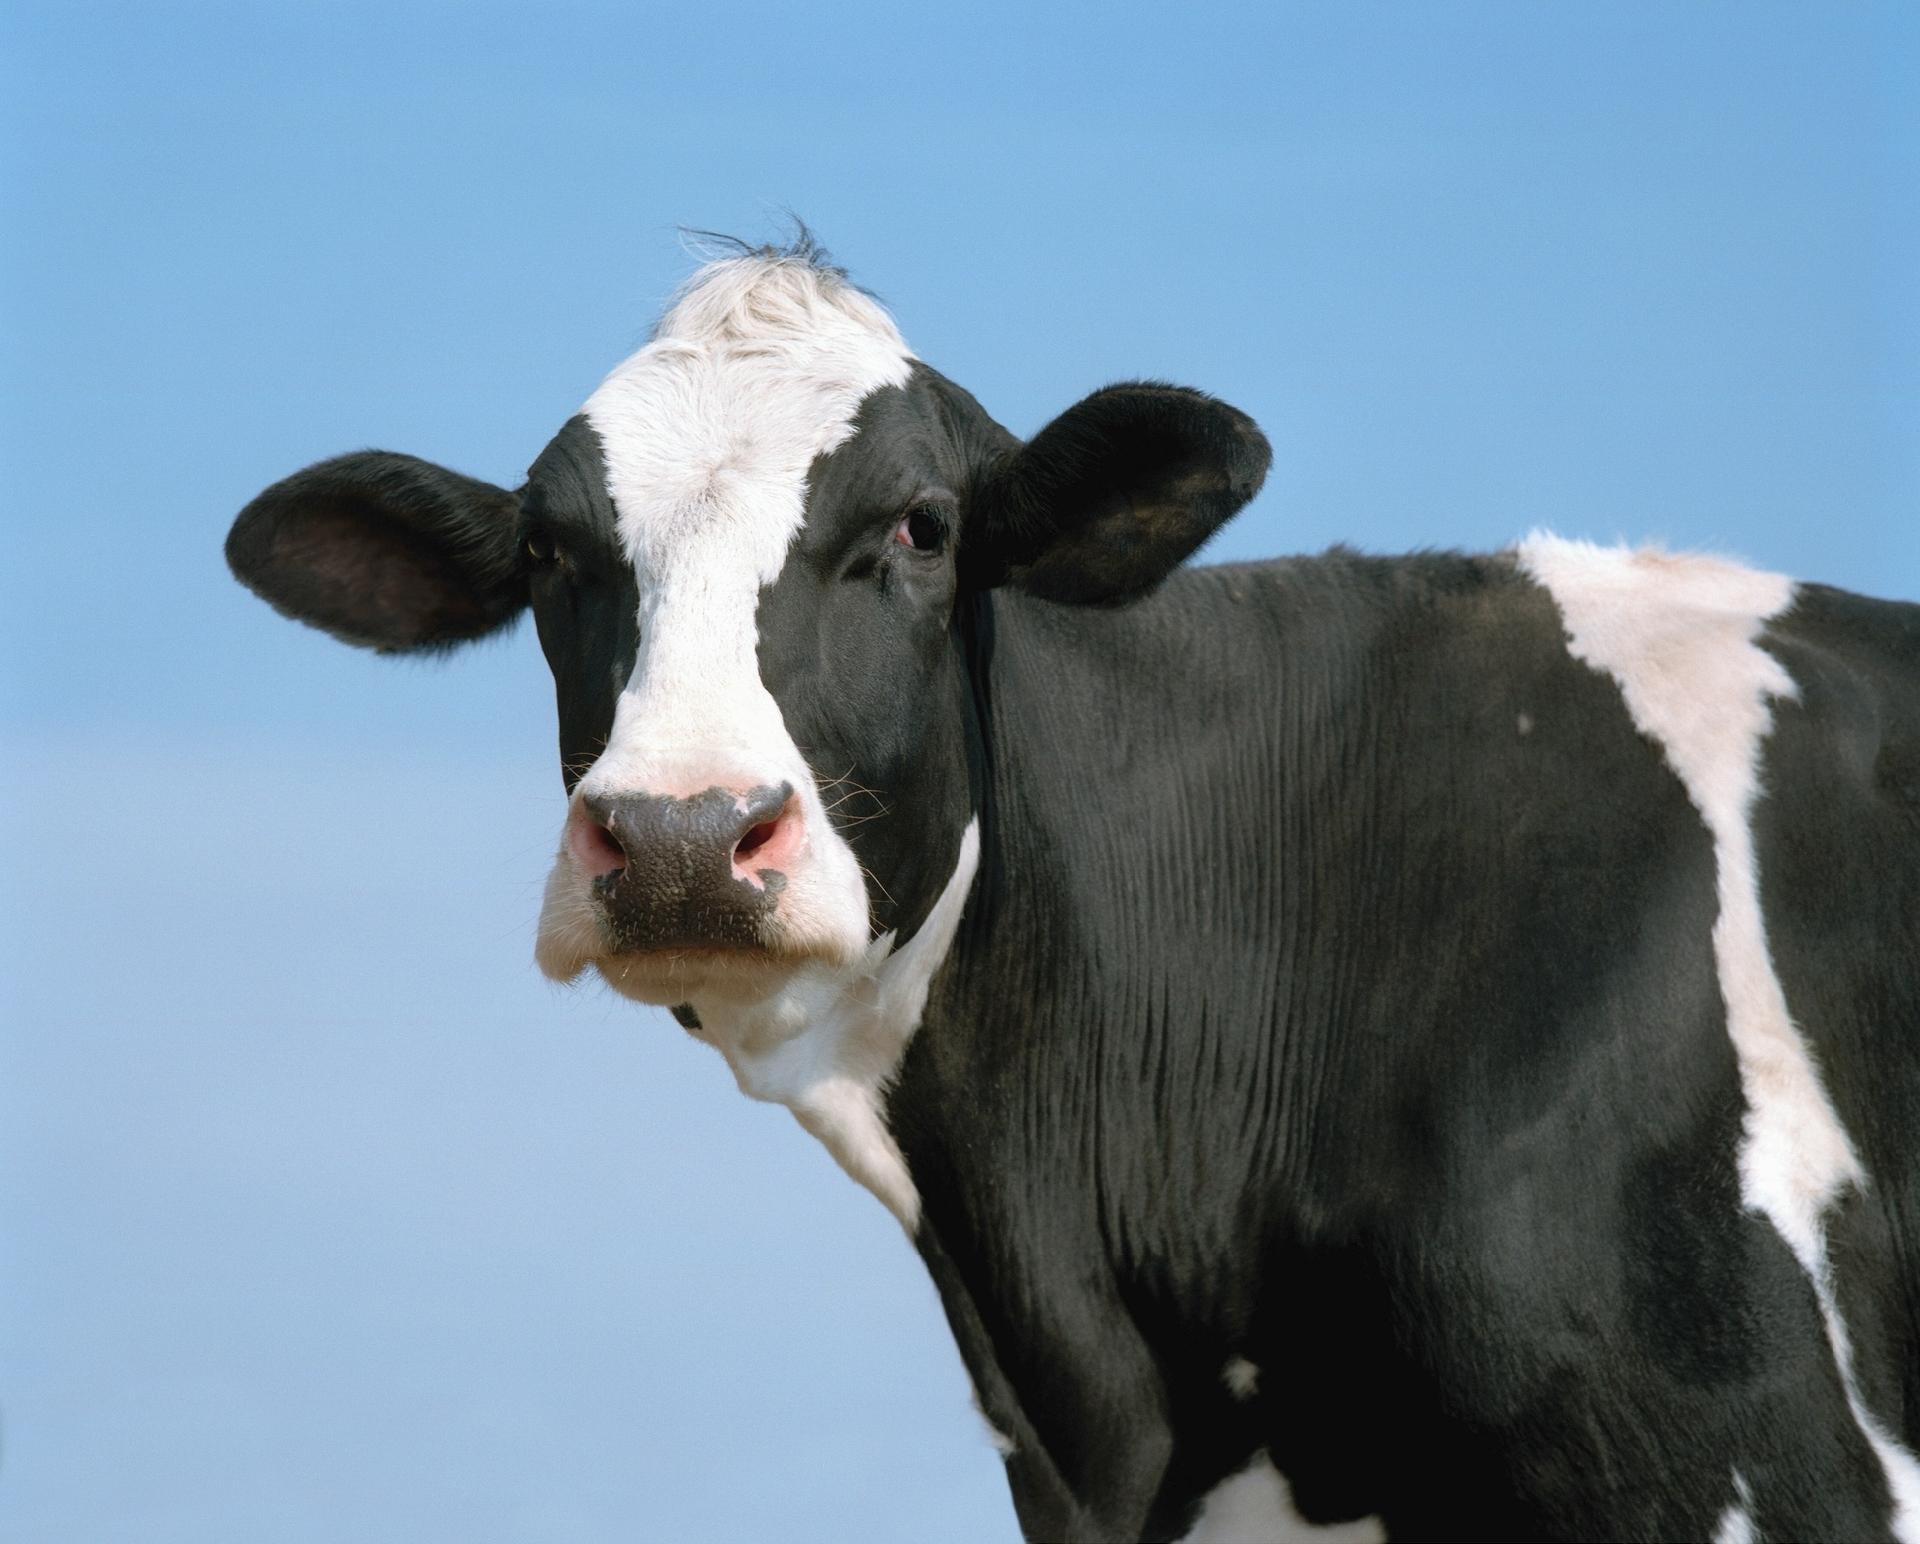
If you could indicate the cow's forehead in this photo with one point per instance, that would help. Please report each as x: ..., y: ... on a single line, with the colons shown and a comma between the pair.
x: 708, y: 432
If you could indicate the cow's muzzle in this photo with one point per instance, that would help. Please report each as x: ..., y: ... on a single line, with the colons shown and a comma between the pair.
x: 703, y: 872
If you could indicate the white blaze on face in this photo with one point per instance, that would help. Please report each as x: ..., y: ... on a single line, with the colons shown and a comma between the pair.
x: 708, y: 433
x: 1678, y: 636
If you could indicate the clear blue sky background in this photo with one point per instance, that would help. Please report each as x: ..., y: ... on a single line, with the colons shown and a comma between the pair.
x: 321, y: 1216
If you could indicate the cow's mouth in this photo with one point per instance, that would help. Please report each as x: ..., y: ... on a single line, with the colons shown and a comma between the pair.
x: 672, y: 978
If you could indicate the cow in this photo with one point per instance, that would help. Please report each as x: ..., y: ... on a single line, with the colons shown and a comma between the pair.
x: 1419, y: 1047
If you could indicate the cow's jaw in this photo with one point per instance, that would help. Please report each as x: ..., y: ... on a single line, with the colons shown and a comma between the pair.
x: 708, y: 434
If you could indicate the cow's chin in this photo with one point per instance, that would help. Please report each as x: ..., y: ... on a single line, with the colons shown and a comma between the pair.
x: 573, y: 939
x: 738, y: 978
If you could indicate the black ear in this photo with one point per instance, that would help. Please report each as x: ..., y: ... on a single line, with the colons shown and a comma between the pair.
x: 1113, y: 495
x: 384, y: 551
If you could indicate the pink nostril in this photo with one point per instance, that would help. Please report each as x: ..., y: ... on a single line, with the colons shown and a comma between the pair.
x: 755, y: 839
x: 594, y: 848
x: 769, y: 846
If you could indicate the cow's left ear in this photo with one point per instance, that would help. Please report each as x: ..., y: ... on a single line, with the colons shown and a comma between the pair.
x: 1113, y: 495
x: 384, y: 551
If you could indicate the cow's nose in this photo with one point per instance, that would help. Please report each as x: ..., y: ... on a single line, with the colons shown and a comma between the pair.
x: 649, y: 829
x: 697, y: 872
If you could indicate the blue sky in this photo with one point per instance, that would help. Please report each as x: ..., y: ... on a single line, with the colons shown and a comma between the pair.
x: 321, y: 1216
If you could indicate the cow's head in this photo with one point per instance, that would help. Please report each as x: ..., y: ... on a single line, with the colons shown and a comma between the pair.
x: 747, y: 557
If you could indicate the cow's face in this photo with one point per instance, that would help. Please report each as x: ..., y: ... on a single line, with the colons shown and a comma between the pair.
x: 749, y: 558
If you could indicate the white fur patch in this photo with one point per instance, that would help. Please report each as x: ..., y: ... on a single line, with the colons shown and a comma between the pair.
x: 1736, y: 1523
x: 1677, y: 635
x: 1256, y: 1506
x: 1241, y: 1377
x: 708, y: 433
x: 828, y: 1042
x: 996, y: 1438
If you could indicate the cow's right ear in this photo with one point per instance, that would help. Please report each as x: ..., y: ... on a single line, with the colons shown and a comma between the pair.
x: 384, y: 551
x: 1102, y: 504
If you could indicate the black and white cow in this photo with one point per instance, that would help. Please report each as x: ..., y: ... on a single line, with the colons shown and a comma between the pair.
x: 1425, y: 1047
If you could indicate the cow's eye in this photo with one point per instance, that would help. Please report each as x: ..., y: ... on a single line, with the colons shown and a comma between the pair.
x: 924, y: 528
x: 540, y: 548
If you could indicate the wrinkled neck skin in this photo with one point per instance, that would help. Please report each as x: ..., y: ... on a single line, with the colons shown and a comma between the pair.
x: 1028, y: 1104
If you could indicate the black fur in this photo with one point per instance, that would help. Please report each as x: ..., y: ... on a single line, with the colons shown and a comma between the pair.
x: 585, y: 602
x: 1353, y: 1030
x: 857, y: 642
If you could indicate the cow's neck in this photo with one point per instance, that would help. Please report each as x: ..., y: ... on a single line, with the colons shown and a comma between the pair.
x: 1068, y: 1098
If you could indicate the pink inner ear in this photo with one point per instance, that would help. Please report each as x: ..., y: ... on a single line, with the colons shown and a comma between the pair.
x: 344, y: 567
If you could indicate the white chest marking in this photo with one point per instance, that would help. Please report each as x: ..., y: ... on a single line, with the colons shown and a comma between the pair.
x: 1241, y: 1377
x: 1736, y: 1523
x: 1677, y: 635
x: 1256, y: 1506
x: 829, y: 1042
